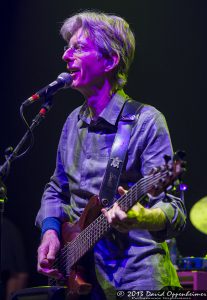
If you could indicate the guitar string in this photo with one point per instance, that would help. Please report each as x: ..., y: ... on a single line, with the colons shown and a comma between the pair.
x: 132, y: 191
x: 88, y: 238
x: 91, y: 237
x: 80, y: 251
x: 83, y: 235
x: 73, y: 245
x: 87, y: 235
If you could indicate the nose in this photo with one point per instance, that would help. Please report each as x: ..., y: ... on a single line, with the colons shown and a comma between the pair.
x: 68, y: 55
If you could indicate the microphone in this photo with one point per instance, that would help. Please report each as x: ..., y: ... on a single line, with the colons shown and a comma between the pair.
x: 63, y: 81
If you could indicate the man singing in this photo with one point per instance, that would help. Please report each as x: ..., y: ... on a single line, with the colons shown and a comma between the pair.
x: 133, y: 255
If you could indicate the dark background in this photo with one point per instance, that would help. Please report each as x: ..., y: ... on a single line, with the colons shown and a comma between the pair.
x: 169, y: 72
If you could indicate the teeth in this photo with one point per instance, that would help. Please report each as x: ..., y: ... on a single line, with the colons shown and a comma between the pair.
x: 72, y: 71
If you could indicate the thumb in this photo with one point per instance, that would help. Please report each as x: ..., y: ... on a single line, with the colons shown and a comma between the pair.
x: 121, y: 191
x: 53, y: 249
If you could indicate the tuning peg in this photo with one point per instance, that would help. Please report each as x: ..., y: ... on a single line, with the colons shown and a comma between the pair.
x: 3, y: 190
x: 154, y: 169
x: 169, y: 173
x: 167, y: 158
x: 180, y: 155
x: 8, y: 151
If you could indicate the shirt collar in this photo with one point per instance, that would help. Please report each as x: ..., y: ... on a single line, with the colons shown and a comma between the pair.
x: 111, y: 111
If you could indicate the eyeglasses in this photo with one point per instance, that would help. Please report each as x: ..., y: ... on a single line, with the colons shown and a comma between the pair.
x: 76, y: 49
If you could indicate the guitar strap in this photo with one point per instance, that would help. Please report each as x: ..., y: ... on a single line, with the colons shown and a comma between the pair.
x: 127, y: 119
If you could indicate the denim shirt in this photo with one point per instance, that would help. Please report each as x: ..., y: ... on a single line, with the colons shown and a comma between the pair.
x: 138, y: 259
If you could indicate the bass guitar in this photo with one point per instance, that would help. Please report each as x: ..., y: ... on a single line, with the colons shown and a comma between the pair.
x: 80, y: 237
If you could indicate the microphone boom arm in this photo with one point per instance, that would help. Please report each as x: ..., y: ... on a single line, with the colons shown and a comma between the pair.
x: 45, y: 108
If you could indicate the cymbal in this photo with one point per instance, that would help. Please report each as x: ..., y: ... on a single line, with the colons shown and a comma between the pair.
x: 198, y: 215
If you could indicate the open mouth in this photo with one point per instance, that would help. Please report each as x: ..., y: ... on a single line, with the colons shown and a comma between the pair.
x: 73, y: 71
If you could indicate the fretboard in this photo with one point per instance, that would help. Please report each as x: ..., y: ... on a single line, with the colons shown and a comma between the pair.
x: 75, y: 249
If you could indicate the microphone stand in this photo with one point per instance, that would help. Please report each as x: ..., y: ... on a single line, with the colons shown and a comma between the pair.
x: 4, y: 169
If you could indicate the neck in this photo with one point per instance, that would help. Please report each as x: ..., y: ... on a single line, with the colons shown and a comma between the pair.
x: 99, y: 99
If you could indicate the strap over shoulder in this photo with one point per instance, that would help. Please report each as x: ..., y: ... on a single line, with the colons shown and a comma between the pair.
x: 130, y: 110
x: 118, y: 152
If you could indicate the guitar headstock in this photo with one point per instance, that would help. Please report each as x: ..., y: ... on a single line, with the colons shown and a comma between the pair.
x: 163, y: 177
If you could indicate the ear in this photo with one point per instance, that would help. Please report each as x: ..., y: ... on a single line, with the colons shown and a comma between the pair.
x: 112, y: 62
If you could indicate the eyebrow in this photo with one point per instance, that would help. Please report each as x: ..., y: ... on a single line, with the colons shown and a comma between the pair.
x: 77, y: 43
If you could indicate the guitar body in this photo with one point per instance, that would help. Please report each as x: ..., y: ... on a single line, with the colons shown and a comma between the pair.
x: 76, y: 281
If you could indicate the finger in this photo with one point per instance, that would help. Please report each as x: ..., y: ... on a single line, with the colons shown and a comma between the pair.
x: 54, y: 273
x: 120, y: 215
x: 121, y: 190
x: 110, y: 214
x: 113, y: 213
x: 53, y: 249
x: 107, y: 215
x: 42, y: 253
x: 117, y: 213
x: 103, y: 210
x: 45, y: 263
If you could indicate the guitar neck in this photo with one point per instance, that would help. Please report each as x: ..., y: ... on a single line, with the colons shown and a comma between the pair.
x: 98, y: 228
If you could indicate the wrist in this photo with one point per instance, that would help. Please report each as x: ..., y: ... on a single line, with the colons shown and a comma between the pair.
x: 50, y: 232
x: 52, y: 225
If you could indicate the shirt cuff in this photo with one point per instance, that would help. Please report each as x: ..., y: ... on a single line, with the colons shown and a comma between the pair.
x: 175, y: 221
x: 51, y: 223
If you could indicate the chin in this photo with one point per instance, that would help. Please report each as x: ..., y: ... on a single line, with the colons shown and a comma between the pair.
x: 77, y: 88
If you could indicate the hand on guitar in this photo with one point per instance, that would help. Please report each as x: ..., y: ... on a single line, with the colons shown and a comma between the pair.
x: 137, y: 217
x: 47, y: 251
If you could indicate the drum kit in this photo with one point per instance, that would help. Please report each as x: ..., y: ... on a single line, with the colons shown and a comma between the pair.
x: 198, y: 215
x: 198, y: 218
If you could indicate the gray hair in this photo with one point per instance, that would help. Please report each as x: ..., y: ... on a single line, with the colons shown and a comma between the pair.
x: 110, y: 33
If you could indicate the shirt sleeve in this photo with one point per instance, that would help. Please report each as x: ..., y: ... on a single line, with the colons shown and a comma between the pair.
x: 56, y: 195
x: 155, y: 144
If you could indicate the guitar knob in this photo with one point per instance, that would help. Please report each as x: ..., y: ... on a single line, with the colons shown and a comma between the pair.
x: 169, y: 174
x: 105, y: 202
x: 162, y: 180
